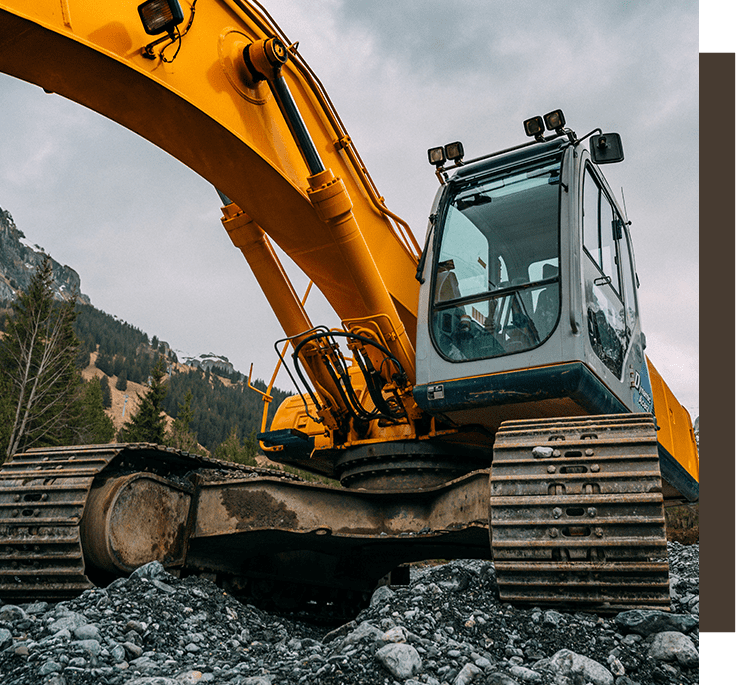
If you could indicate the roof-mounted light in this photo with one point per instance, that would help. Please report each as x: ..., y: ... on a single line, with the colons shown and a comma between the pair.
x: 555, y: 121
x: 452, y: 152
x: 160, y: 16
x: 534, y: 127
x: 436, y: 156
x: 455, y: 152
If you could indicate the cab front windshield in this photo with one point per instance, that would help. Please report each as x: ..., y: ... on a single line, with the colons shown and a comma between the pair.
x: 496, y: 288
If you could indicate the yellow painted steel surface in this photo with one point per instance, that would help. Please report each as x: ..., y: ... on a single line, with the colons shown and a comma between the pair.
x: 675, y: 432
x: 200, y: 108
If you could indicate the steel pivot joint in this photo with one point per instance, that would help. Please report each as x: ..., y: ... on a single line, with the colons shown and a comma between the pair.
x: 265, y: 58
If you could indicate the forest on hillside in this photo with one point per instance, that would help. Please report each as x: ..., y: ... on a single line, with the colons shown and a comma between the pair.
x: 220, y: 407
x: 220, y: 403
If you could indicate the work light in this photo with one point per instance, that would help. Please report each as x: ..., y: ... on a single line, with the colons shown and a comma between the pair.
x: 454, y: 151
x: 534, y: 127
x: 436, y: 156
x: 160, y: 16
x: 555, y: 121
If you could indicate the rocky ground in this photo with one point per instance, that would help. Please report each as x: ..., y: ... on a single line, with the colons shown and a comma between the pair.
x: 446, y: 628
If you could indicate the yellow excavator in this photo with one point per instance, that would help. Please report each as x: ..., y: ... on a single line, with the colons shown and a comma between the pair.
x: 487, y: 395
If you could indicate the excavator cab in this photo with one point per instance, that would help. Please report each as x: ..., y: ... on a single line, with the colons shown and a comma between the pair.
x: 529, y: 290
x: 530, y: 286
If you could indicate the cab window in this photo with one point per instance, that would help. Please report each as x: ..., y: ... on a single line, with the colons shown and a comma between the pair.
x: 606, y: 262
x: 496, y: 279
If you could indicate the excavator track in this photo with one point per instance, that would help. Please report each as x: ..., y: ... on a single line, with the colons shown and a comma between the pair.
x: 42, y: 498
x: 43, y: 493
x: 577, y: 515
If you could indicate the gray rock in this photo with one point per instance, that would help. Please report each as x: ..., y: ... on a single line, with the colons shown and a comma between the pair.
x: 525, y: 674
x: 401, y: 660
x: 48, y: 667
x: 133, y: 649
x: 164, y: 587
x: 674, y: 646
x: 646, y: 622
x: 363, y: 630
x: 467, y: 675
x: 451, y: 630
x: 552, y: 618
x: 151, y: 570
x: 576, y: 668
x: 482, y: 662
x: 6, y: 638
x: 381, y: 596
x: 499, y: 678
x: 36, y: 608
x: 118, y: 653
x: 62, y: 636
x: 87, y: 632
x: 615, y: 666
x: 69, y: 621
x: 90, y: 646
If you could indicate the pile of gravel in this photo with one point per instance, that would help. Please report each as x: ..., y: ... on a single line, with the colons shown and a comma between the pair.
x: 446, y: 628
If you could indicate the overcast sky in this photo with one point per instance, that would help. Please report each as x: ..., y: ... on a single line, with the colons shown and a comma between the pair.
x: 144, y: 232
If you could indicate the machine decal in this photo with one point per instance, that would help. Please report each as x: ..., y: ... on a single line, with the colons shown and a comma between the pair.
x: 643, y: 389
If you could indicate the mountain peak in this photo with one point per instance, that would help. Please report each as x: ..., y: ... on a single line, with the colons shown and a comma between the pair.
x: 19, y: 260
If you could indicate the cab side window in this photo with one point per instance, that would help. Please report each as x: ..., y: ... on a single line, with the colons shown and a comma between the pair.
x: 600, y: 228
x: 606, y: 250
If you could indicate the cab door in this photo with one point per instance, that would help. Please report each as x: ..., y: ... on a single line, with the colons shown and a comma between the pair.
x: 610, y: 316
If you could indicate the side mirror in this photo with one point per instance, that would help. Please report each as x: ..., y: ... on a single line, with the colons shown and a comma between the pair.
x: 606, y: 148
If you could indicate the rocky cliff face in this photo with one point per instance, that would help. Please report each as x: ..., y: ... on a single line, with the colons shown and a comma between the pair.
x: 19, y: 261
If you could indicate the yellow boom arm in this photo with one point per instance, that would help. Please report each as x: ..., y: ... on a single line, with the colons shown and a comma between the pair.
x: 193, y: 96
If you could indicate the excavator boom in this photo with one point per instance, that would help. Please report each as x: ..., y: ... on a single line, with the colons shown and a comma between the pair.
x: 194, y: 98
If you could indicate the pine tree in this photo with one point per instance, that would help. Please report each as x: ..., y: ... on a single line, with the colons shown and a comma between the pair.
x: 148, y: 424
x: 104, y: 362
x: 38, y: 356
x: 93, y: 426
x: 233, y: 450
x: 179, y: 435
x: 106, y: 392
x: 122, y: 382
